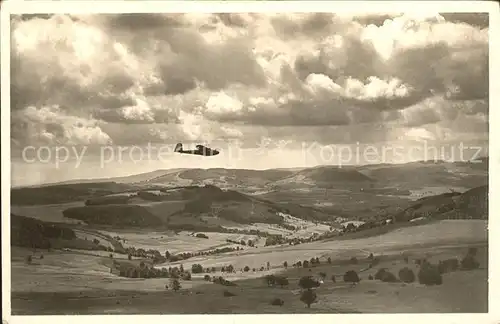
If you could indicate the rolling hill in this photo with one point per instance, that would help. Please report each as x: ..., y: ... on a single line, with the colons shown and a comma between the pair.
x: 198, y: 199
x: 471, y: 204
x: 186, y: 208
x: 411, y: 175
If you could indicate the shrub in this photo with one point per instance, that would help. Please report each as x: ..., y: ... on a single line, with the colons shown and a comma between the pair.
x: 353, y: 260
x: 379, y: 273
x: 351, y: 276
x: 285, y: 264
x: 299, y: 264
x: 196, y: 268
x: 429, y: 275
x: 207, y: 278
x: 370, y: 277
x: 469, y: 263
x: 329, y: 260
x: 308, y: 297
x: 130, y: 257
x: 308, y: 282
x: 246, y: 268
x: 201, y: 235
x: 448, y: 265
x: 270, y: 280
x: 317, y: 260
x: 280, y: 280
x: 385, y: 276
x: 406, y: 275
x: 305, y: 264
x: 277, y: 302
x: 322, y: 275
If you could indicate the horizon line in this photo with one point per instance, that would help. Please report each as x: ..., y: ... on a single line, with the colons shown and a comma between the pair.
x: 76, y: 180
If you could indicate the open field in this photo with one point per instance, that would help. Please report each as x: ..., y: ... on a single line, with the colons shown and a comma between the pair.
x: 75, y: 279
x: 47, y: 213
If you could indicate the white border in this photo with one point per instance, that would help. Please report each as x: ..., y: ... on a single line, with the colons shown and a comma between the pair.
x: 118, y: 6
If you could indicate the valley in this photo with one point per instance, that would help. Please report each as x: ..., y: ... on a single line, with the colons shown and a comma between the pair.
x: 116, y: 246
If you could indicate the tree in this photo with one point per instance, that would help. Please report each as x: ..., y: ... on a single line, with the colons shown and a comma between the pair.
x: 385, y: 275
x: 181, y: 268
x: 175, y: 284
x: 305, y: 264
x: 285, y: 264
x: 186, y: 275
x: 308, y: 297
x: 406, y: 275
x: 351, y: 276
x: 307, y: 282
x: 196, y: 268
x: 130, y: 256
x: 317, y: 260
x: 268, y: 265
x: 230, y: 268
x: 322, y: 275
x: 246, y: 268
x: 329, y: 260
x: 429, y: 275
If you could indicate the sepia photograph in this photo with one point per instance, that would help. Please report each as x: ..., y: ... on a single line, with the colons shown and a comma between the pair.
x: 247, y: 162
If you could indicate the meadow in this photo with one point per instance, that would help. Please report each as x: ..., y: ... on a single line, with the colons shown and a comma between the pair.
x: 83, y: 282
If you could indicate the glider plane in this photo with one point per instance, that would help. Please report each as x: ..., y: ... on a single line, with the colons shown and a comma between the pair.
x: 200, y: 150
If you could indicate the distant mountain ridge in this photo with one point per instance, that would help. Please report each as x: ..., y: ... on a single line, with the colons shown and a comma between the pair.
x: 422, y: 172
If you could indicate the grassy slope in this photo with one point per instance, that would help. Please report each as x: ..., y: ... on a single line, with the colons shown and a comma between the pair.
x: 135, y: 296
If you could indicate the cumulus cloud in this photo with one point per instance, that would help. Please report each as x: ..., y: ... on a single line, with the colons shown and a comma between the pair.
x: 156, y: 77
x: 51, y: 125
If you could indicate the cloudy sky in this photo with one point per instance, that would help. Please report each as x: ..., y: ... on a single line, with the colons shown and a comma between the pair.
x: 242, y: 82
